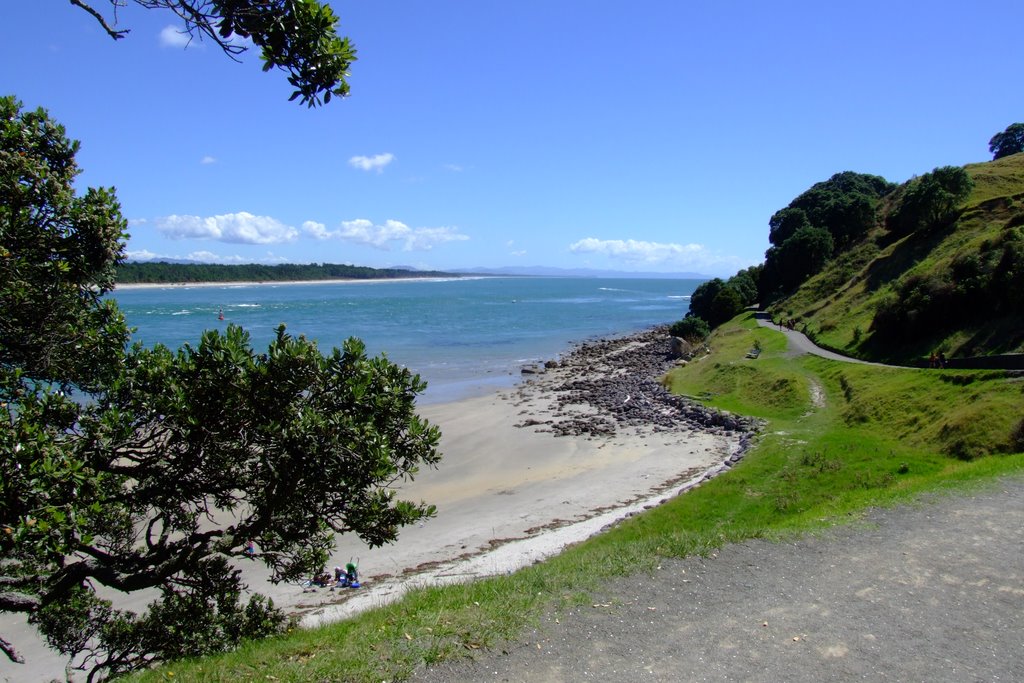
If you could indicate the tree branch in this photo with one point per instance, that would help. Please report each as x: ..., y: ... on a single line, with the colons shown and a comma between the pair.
x: 12, y: 654
x: 111, y: 31
x: 17, y: 602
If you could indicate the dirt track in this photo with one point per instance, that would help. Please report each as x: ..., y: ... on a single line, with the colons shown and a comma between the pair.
x: 930, y: 592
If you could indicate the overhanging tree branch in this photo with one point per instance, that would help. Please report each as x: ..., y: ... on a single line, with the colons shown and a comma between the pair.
x: 111, y: 31
x: 299, y: 38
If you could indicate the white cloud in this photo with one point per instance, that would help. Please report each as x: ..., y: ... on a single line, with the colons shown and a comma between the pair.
x: 141, y: 255
x: 391, y: 233
x: 374, y: 163
x: 210, y: 257
x: 208, y: 160
x: 236, y: 228
x: 637, y: 251
x: 454, y: 168
x: 172, y: 36
x: 317, y: 230
x: 202, y: 256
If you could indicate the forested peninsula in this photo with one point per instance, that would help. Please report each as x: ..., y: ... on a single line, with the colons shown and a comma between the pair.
x: 163, y: 272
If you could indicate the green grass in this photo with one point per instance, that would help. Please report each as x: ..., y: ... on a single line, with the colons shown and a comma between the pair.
x: 838, y: 304
x: 874, y: 437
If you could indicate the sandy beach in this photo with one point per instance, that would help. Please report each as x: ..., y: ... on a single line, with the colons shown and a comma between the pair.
x: 527, y: 471
x: 530, y: 470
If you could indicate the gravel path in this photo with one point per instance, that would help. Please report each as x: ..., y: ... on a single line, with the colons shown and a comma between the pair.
x: 929, y: 592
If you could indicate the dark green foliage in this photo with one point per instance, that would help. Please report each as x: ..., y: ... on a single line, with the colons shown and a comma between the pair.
x: 978, y: 284
x: 203, y: 617
x: 727, y: 304
x: 703, y: 296
x: 745, y: 282
x: 825, y: 220
x: 149, y: 468
x: 53, y: 324
x: 161, y: 272
x: 844, y: 205
x: 1010, y: 141
x: 784, y: 223
x: 788, y: 266
x: 297, y: 36
x: 717, y: 300
x: 930, y: 200
x: 690, y: 328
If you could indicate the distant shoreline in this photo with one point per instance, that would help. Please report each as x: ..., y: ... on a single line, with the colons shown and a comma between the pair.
x: 256, y: 283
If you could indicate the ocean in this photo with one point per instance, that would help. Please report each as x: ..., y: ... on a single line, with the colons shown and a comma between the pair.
x: 464, y: 336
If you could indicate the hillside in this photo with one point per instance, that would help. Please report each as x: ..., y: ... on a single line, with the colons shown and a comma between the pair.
x: 955, y: 287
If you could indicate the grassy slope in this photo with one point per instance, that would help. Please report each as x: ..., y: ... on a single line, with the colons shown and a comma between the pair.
x: 838, y: 304
x: 874, y: 436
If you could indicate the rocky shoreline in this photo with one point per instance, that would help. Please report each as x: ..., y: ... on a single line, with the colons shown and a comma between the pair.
x: 602, y: 387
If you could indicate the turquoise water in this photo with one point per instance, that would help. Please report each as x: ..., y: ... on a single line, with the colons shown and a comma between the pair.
x: 463, y: 336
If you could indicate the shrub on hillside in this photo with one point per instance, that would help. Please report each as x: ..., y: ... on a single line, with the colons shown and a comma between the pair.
x: 978, y: 284
x: 930, y: 200
x: 691, y: 328
x: 718, y: 300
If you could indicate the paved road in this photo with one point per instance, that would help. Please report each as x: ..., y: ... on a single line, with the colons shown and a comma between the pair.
x: 799, y: 343
x: 930, y: 592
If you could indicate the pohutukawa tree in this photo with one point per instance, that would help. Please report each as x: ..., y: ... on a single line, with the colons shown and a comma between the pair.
x: 296, y: 36
x: 132, y: 468
x: 1010, y: 141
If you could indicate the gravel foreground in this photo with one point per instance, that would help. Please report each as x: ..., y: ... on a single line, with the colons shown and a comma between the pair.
x: 932, y: 591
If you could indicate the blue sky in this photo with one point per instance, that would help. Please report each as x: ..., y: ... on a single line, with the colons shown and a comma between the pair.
x: 640, y: 136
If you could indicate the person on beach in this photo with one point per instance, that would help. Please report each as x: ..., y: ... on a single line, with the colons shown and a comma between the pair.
x: 351, y: 576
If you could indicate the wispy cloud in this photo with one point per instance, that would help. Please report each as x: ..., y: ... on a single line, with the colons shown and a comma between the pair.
x: 211, y: 257
x: 374, y: 163
x: 203, y: 257
x: 638, y: 251
x: 390, y: 234
x: 642, y: 255
x: 173, y: 36
x: 206, y: 160
x: 237, y: 228
x: 454, y: 168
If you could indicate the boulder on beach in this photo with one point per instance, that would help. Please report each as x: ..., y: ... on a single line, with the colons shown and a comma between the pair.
x: 681, y: 349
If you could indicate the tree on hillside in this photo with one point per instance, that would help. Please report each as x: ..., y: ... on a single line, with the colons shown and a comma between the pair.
x: 297, y: 36
x: 1010, y: 141
x: 716, y: 301
x: 930, y: 200
x: 788, y: 266
x: 830, y: 216
x: 135, y: 468
x: 785, y: 222
x: 844, y: 205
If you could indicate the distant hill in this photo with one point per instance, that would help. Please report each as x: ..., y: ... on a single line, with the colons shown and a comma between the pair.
x: 166, y: 272
x: 955, y: 285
